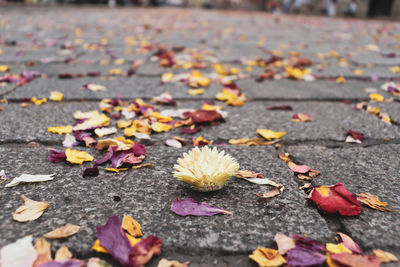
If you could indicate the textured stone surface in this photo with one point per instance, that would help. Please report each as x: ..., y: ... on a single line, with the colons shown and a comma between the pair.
x: 374, y: 170
x: 146, y: 194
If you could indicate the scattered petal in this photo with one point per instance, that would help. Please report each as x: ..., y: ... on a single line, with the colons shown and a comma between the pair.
x: 91, y: 172
x: 167, y: 263
x: 284, y: 243
x: 349, y: 243
x: 189, y: 206
x: 43, y: 249
x: 20, y: 253
x: 252, y: 142
x: 131, y: 226
x: 372, y: 201
x: 352, y: 260
x: 63, y: 254
x: 335, y: 198
x: 173, y: 143
x: 267, y: 257
x: 60, y: 129
x: 269, y: 134
x: 31, y: 210
x: 77, y: 157
x: 384, y: 256
x: 298, y: 168
x: 144, y: 250
x: 56, y: 96
x: 100, y: 132
x: 63, y: 232
x: 30, y: 178
x: 270, y: 194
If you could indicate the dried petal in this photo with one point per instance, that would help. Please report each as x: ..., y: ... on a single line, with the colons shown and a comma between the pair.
x: 43, y: 249
x: 372, y: 201
x: 30, y: 178
x: 167, y: 263
x: 269, y: 134
x: 96, y: 262
x: 60, y: 129
x: 384, y: 256
x: 56, y: 96
x: 63, y: 254
x: 270, y: 194
x: 267, y: 257
x: 252, y: 142
x: 349, y: 243
x: 189, y: 206
x: 298, y: 168
x: 204, y: 116
x: 303, y: 257
x: 91, y: 172
x: 31, y: 210
x: 63, y: 232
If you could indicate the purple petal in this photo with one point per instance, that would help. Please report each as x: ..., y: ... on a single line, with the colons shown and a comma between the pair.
x: 138, y: 149
x: 113, y: 238
x: 189, y: 206
x: 92, y: 172
x: 309, y: 243
x: 191, y: 131
x: 110, y: 152
x: 66, y: 263
x: 56, y: 155
x: 302, y: 257
x: 144, y: 250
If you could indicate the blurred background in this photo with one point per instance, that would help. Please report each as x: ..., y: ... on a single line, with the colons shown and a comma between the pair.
x: 349, y: 8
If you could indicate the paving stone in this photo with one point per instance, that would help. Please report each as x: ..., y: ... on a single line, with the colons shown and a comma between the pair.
x: 330, y: 121
x: 374, y: 170
x: 146, y: 195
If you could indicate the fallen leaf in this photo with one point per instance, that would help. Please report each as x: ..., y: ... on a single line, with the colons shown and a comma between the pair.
x: 20, y: 253
x: 131, y: 226
x: 335, y: 198
x: 372, y: 201
x: 167, y: 263
x: 43, y: 249
x: 384, y: 256
x: 63, y: 232
x: 30, y: 178
x: 63, y: 254
x: 31, y: 210
x: 269, y: 134
x: 77, y: 157
x: 189, y: 206
x: 267, y: 257
x: 284, y: 243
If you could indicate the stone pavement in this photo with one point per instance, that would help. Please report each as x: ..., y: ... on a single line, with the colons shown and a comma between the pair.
x: 60, y: 41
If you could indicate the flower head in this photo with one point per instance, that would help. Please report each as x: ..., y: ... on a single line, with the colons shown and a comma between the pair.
x: 205, y: 169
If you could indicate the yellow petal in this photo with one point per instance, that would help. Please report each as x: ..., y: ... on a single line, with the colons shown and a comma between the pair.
x: 269, y: 134
x: 196, y: 91
x: 376, y: 97
x: 160, y: 118
x: 340, y: 79
x: 123, y: 124
x: 60, y: 129
x: 337, y: 248
x: 267, y: 257
x: 358, y: 72
x: 394, y: 69
x: 384, y: 256
x: 38, y: 102
x: 160, y: 127
x: 4, y: 68
x: 56, y: 96
x: 115, y: 71
x: 167, y: 77
x: 77, y: 157
x: 131, y: 226
x: 116, y: 169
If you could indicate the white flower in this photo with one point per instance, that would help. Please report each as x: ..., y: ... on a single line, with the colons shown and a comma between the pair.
x: 205, y: 169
